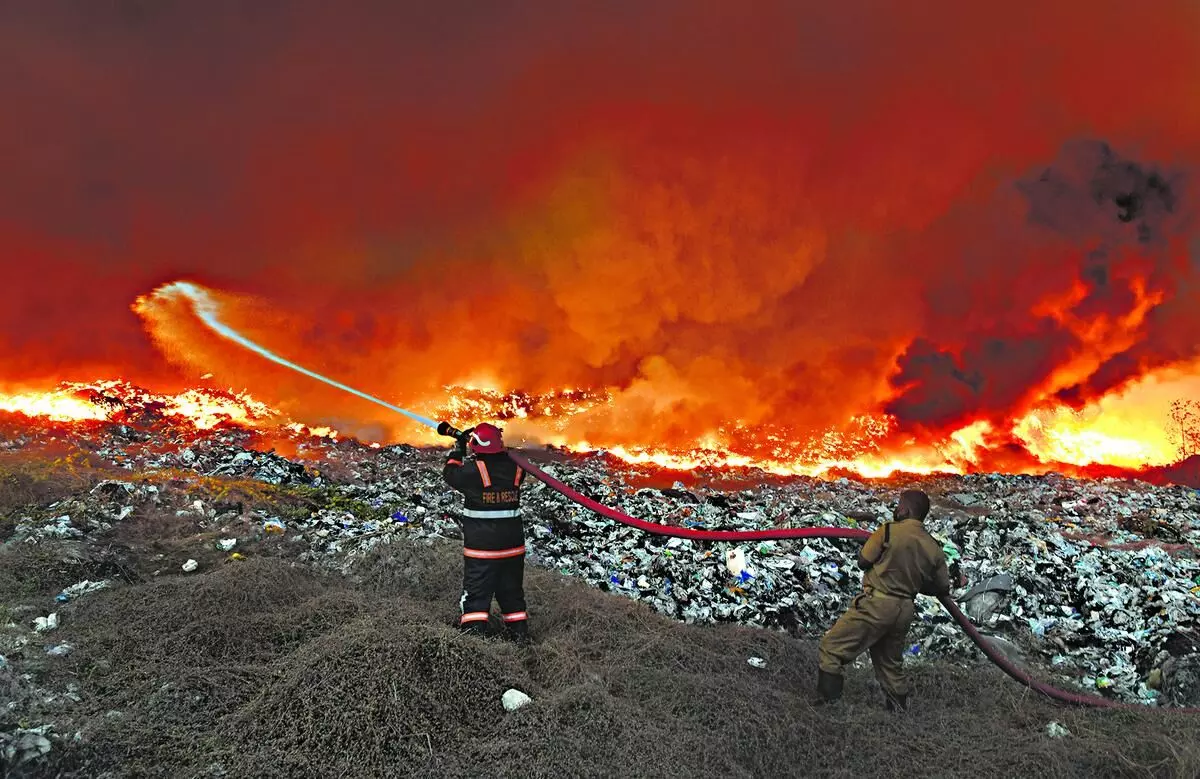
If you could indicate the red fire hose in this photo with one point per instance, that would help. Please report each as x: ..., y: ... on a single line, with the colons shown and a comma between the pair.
x: 1006, y: 665
x: 683, y: 532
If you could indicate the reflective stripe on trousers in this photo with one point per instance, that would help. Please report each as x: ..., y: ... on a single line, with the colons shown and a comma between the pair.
x: 494, y: 554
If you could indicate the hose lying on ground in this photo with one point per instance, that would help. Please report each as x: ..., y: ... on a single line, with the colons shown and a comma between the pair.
x: 981, y: 641
x: 1010, y: 668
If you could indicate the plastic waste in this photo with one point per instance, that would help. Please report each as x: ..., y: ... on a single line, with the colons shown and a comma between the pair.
x: 1054, y: 730
x: 225, y: 544
x: 190, y: 566
x: 735, y: 561
x: 24, y: 745
x: 45, y: 624
x: 514, y: 699
x: 757, y: 662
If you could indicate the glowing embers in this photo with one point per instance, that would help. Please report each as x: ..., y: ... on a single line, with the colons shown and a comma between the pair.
x: 203, y: 409
x: 872, y: 466
x: 478, y: 404
x: 207, y: 409
x: 60, y: 405
x: 1119, y: 432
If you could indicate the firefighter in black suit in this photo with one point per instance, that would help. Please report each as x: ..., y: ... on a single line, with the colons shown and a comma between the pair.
x: 493, y: 536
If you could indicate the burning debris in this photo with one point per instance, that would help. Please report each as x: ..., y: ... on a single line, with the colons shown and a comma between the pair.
x: 551, y: 407
x: 1046, y: 441
x: 123, y: 403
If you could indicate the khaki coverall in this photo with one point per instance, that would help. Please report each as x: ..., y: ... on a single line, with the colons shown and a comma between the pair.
x: 903, y: 560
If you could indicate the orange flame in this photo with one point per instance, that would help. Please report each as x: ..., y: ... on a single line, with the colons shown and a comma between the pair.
x: 102, y: 400
x: 58, y: 406
x: 1116, y: 431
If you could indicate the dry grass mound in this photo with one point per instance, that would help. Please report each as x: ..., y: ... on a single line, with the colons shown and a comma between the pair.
x: 165, y: 665
x: 416, y: 569
x: 377, y: 697
x: 265, y: 669
x: 238, y: 613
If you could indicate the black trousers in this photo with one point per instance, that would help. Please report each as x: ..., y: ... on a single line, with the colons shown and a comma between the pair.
x: 503, y: 579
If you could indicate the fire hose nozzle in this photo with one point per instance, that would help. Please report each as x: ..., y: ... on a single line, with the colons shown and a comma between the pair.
x: 449, y: 430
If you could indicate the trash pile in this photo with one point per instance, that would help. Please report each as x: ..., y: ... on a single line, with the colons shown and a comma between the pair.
x: 1097, y: 581
x: 236, y: 462
x: 23, y: 745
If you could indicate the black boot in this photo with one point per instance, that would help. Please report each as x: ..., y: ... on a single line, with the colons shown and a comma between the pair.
x: 897, y: 702
x: 518, y: 633
x: 829, y: 687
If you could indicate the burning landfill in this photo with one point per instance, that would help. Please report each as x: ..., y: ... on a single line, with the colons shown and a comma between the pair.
x: 711, y: 268
x: 1090, y: 583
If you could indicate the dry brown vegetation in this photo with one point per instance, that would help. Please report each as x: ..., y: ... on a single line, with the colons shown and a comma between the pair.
x: 1185, y: 426
x: 264, y: 668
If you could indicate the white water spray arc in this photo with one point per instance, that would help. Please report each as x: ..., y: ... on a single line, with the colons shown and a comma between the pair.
x: 207, y: 310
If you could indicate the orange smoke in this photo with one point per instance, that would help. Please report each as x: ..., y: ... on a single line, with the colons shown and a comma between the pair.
x: 804, y: 234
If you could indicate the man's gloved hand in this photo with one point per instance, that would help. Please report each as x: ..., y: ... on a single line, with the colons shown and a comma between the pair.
x: 459, y: 452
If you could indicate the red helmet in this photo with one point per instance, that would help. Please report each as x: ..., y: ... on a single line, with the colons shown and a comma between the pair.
x: 485, y: 439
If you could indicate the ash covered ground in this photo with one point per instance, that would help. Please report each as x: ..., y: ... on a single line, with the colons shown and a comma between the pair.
x: 189, y: 603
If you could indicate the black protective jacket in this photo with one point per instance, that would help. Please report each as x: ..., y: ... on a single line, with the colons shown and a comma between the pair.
x: 491, y: 513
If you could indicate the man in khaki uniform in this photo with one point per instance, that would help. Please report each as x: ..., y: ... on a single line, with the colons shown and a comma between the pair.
x: 900, y: 559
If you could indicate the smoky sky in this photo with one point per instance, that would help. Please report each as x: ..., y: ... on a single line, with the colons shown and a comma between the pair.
x: 785, y: 210
x: 1112, y: 221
